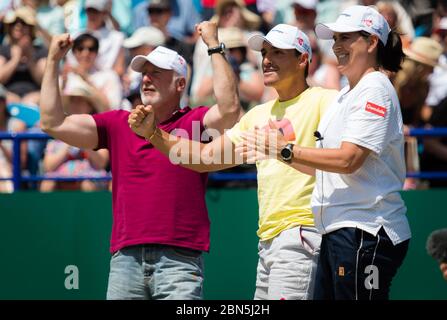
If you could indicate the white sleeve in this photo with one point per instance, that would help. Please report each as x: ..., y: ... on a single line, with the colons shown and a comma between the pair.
x: 369, y: 119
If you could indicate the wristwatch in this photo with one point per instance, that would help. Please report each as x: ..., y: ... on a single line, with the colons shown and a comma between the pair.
x: 287, y: 152
x: 219, y: 49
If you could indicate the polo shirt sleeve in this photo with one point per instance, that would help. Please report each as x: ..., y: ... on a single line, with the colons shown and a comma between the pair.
x: 235, y: 133
x: 369, y: 118
x: 102, y: 125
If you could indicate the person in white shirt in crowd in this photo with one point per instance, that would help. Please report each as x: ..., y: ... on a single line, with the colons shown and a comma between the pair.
x: 105, y: 83
x: 358, y: 163
x: 142, y: 42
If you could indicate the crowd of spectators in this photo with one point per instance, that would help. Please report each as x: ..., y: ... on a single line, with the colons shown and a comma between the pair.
x: 108, y: 33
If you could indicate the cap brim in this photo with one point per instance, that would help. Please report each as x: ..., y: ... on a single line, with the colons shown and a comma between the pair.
x: 132, y: 43
x: 257, y: 41
x: 326, y: 31
x: 139, y: 61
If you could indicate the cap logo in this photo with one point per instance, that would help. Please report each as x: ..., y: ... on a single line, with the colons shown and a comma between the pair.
x: 300, y: 41
x: 367, y: 22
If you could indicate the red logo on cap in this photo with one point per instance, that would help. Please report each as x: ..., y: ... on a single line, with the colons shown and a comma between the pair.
x: 300, y: 41
x: 181, y: 61
x: 374, y: 108
x: 368, y: 22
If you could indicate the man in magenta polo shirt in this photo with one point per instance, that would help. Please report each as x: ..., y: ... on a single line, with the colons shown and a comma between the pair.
x: 160, y: 219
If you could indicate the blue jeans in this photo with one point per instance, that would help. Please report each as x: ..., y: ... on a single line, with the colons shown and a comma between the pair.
x: 156, y: 272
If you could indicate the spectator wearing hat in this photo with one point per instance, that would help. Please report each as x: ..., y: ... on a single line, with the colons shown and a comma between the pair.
x: 160, y: 221
x: 63, y: 160
x: 8, y: 124
x: 179, y: 17
x: 21, y: 63
x: 105, y: 83
x: 422, y: 58
x: 142, y: 42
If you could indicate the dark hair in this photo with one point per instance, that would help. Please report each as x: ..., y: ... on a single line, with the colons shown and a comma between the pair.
x: 77, y: 43
x: 391, y: 55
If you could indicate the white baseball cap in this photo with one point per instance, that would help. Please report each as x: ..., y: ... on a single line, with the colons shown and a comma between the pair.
x: 283, y: 36
x: 145, y: 35
x: 353, y: 19
x: 163, y: 58
x: 99, y: 5
x: 306, y: 4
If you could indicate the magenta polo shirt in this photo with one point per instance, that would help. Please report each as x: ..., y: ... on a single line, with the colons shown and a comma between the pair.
x: 154, y: 201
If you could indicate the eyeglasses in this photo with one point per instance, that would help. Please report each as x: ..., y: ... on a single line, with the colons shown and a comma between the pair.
x: 82, y: 48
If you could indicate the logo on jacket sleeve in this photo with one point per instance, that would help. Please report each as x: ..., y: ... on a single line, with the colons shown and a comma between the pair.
x: 376, y: 109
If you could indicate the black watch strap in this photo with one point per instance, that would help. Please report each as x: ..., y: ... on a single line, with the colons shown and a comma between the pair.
x: 219, y: 49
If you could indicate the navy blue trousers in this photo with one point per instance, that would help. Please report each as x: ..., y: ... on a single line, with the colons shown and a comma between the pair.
x: 355, y: 265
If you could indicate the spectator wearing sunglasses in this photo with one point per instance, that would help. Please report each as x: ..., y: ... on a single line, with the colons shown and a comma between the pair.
x: 105, y: 84
x: 21, y: 62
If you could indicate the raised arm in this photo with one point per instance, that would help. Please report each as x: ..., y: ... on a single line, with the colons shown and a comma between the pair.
x: 77, y: 130
x: 216, y: 155
x: 226, y: 112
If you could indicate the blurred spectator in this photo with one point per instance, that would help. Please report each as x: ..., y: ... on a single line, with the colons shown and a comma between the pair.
x: 422, y: 57
x: 323, y: 70
x: 251, y: 83
x: 398, y: 20
x: 111, y: 52
x: 305, y: 12
x: 412, y: 91
x: 106, y: 84
x: 161, y: 13
x: 229, y: 13
x: 50, y: 18
x: 22, y: 63
x: 183, y: 16
x: 234, y: 13
x: 434, y: 156
x: 421, y: 13
x: 143, y: 41
x: 438, y: 80
x: 64, y: 160
x: 8, y: 124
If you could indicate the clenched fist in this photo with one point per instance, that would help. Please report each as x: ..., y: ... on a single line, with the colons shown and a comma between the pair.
x: 142, y: 121
x: 59, y: 46
x: 208, y: 31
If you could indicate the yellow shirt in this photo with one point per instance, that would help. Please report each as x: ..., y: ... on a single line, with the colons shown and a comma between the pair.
x: 283, y: 192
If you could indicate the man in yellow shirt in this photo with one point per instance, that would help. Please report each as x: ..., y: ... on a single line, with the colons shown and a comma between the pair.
x: 289, y: 243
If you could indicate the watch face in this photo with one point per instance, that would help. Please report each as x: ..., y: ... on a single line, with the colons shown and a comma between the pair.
x: 286, y: 154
